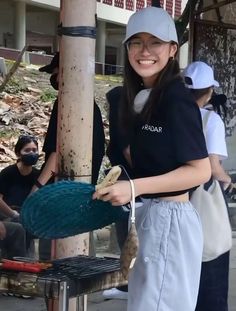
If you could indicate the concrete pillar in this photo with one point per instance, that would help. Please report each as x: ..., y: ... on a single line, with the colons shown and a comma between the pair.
x: 183, y: 56
x: 120, y: 57
x: 101, y: 43
x: 3, y: 67
x: 20, y: 25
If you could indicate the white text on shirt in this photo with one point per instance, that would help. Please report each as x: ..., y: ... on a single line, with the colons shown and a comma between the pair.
x: 152, y: 128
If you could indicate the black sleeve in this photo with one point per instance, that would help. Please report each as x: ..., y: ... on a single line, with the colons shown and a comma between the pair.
x: 98, y: 143
x: 185, y: 125
x: 36, y: 172
x: 118, y: 142
x: 50, y: 142
x: 4, y: 181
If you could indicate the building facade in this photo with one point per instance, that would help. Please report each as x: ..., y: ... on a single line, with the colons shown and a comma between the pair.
x: 34, y: 23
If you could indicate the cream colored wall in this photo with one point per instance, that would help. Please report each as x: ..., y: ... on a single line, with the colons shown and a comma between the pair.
x: 113, y: 14
x: 42, y: 22
x: 183, y: 53
x: 45, y: 3
x: 104, y: 11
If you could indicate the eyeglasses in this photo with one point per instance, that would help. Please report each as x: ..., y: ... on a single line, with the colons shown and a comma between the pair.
x: 153, y: 45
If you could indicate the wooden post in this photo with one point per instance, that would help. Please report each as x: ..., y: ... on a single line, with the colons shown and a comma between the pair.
x: 75, y: 110
x: 191, y: 33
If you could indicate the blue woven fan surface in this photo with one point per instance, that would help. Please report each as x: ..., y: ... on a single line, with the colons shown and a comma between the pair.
x: 66, y: 208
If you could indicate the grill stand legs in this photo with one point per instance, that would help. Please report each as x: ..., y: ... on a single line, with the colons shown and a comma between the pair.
x: 63, y: 297
x: 82, y: 303
x: 62, y: 302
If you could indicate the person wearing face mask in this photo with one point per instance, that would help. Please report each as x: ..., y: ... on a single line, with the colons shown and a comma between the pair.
x: 49, y: 147
x: 16, y: 180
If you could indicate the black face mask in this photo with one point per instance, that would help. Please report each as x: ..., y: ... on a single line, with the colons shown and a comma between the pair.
x: 53, y: 81
x: 29, y: 158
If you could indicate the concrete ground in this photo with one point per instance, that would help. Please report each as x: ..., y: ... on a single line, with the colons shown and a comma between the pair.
x: 97, y: 303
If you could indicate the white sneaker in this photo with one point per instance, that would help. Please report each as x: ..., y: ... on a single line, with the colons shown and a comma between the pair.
x: 114, y: 293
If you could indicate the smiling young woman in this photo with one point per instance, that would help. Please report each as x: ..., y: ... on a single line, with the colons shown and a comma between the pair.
x: 165, y: 147
x: 148, y: 56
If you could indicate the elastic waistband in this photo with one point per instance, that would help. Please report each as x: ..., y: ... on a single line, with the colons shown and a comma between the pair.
x: 167, y: 204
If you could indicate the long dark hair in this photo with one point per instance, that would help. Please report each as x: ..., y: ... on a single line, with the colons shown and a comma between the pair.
x: 198, y: 93
x: 216, y: 103
x: 219, y: 104
x: 133, y: 83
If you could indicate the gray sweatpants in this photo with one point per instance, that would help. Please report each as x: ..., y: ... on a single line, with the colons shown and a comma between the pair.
x: 166, y: 274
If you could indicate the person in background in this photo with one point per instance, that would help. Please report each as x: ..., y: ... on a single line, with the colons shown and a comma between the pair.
x: 12, y: 240
x: 16, y: 181
x: 117, y: 153
x: 49, y: 167
x: 13, y: 244
x: 199, y: 78
x: 168, y: 157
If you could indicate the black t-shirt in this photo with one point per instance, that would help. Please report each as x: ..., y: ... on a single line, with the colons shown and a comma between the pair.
x: 171, y: 138
x: 50, y: 142
x: 118, y: 141
x: 98, y: 139
x: 15, y: 187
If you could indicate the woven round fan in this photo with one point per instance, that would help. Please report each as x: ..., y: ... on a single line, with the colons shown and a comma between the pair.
x: 66, y: 208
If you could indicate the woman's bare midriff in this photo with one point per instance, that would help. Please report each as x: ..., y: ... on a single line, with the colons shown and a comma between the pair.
x: 177, y: 198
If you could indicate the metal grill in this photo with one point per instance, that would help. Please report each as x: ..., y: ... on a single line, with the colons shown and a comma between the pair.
x: 67, y: 278
x: 81, y: 267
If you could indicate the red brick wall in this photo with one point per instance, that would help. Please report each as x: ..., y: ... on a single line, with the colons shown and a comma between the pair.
x: 107, y: 2
x: 119, y: 3
x: 140, y: 4
x: 169, y: 5
x: 177, y: 8
x: 129, y: 5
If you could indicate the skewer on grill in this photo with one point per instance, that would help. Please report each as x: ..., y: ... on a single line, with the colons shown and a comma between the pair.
x: 22, y: 266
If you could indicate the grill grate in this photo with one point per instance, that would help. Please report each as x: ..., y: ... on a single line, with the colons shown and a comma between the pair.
x: 81, y: 267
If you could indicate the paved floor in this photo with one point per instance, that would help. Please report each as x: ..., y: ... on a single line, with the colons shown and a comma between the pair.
x: 96, y: 302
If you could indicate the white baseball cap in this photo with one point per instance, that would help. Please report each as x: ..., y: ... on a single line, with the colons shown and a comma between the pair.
x: 153, y: 20
x: 201, y: 76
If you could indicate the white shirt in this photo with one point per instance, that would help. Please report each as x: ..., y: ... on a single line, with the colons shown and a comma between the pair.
x: 214, y: 133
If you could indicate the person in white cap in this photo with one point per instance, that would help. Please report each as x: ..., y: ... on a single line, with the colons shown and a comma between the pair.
x: 199, y: 78
x: 168, y: 157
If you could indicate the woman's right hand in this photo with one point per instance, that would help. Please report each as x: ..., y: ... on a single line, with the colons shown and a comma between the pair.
x: 117, y: 194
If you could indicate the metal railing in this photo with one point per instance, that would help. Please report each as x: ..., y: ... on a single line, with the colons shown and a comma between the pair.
x: 108, y: 69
